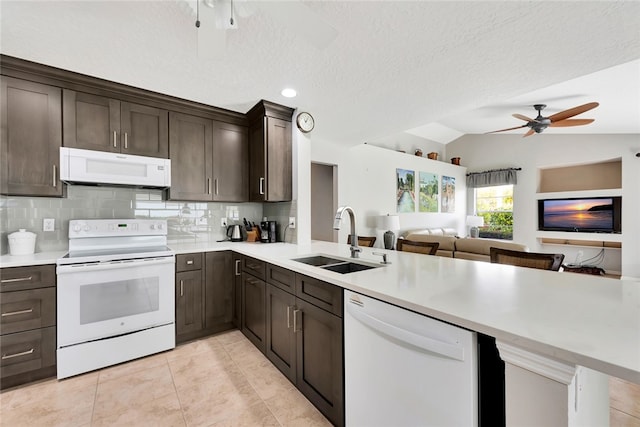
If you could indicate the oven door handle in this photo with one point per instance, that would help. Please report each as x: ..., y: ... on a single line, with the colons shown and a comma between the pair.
x: 114, y: 265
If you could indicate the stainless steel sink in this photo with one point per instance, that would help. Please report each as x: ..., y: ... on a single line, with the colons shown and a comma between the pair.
x: 337, y: 265
x: 318, y: 260
x: 347, y: 267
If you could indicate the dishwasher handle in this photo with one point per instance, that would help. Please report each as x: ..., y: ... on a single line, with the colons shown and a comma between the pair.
x: 425, y: 343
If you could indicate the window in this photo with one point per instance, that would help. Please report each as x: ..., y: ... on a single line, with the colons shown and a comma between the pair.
x: 495, y: 205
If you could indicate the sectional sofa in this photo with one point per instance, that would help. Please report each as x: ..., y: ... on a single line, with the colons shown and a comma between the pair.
x: 460, y: 247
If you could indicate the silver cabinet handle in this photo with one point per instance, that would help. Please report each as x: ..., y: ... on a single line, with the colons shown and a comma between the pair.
x: 237, y: 267
x: 216, y: 181
x: 208, y: 185
x: 181, y: 288
x: 55, y: 176
x: 15, y: 313
x: 261, y: 185
x: 126, y: 141
x: 19, y: 279
x: 11, y: 356
x: 295, y: 321
x: 190, y: 262
x: 115, y: 139
x: 288, y: 317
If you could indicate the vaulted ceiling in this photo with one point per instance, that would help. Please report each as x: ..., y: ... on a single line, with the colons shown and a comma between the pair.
x: 364, y: 69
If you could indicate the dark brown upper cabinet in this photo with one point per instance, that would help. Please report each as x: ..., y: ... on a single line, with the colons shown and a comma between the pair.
x: 100, y: 123
x: 270, y: 165
x: 30, y: 140
x: 209, y: 159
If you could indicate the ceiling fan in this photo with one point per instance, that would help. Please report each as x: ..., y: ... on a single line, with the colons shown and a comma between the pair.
x: 561, y: 119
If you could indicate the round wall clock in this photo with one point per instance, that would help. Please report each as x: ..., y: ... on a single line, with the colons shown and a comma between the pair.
x: 305, y: 122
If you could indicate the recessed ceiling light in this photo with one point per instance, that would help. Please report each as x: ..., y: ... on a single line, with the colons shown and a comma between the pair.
x: 288, y: 92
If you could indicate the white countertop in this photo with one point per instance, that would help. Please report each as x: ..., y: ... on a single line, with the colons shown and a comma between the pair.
x: 587, y: 320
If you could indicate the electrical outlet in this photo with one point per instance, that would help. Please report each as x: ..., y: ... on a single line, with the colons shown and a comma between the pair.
x: 223, y: 222
x: 292, y: 222
x: 48, y: 224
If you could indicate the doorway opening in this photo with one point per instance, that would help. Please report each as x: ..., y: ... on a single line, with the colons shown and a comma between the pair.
x: 324, y: 201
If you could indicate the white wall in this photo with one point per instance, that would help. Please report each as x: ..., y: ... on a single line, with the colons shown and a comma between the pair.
x: 367, y: 183
x: 483, y: 152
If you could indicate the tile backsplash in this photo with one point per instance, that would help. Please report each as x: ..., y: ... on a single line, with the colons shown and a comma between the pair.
x: 187, y: 221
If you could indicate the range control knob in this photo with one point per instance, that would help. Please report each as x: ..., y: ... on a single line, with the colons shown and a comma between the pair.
x: 152, y: 226
x: 77, y: 228
x: 160, y: 226
x: 86, y: 228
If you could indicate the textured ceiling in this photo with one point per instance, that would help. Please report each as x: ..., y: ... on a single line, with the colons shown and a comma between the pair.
x: 391, y: 66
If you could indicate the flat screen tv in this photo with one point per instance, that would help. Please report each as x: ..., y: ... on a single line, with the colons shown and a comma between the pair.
x: 587, y: 215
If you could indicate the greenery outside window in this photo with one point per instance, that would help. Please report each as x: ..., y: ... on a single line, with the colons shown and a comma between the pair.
x: 495, y: 205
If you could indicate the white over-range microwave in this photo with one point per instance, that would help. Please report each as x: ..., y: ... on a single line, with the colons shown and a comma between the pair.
x: 99, y: 167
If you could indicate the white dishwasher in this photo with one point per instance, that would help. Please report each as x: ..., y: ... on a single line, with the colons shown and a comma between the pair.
x: 406, y: 369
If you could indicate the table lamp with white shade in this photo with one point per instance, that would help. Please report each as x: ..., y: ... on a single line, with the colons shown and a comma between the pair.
x: 474, y: 222
x: 389, y: 222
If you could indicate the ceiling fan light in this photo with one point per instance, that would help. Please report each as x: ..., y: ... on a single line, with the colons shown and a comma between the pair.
x: 288, y: 92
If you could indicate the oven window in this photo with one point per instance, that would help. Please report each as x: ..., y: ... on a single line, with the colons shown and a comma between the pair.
x: 114, y: 300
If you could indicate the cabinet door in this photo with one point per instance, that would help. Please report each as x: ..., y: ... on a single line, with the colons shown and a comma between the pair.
x: 237, y: 289
x: 257, y: 161
x: 189, y: 302
x: 144, y: 130
x: 91, y: 122
x: 230, y: 162
x: 281, y: 341
x: 30, y: 139
x: 270, y: 160
x: 279, y: 166
x: 219, y: 302
x: 320, y: 359
x: 190, y: 146
x: 253, y: 310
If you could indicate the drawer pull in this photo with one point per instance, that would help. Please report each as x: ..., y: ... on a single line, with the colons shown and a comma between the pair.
x: 190, y: 262
x: 11, y: 356
x: 15, y: 313
x: 288, y: 317
x: 181, y: 288
x: 55, y: 176
x: 237, y: 267
x: 115, y: 141
x: 19, y: 279
x: 126, y: 141
x: 261, y: 186
x: 295, y: 321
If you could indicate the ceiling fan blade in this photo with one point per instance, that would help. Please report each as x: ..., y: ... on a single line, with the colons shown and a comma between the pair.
x: 572, y: 111
x: 525, y: 118
x: 504, y: 130
x: 571, y: 122
x: 531, y: 132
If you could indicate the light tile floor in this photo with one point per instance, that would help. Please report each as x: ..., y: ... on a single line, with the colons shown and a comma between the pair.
x: 218, y: 381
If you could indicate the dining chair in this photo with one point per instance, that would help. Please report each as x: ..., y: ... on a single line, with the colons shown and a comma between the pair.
x: 363, y: 241
x: 427, y: 248
x: 543, y: 261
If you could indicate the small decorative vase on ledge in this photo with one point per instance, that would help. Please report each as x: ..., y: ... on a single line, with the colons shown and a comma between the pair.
x: 455, y: 161
x: 433, y: 155
x: 418, y: 152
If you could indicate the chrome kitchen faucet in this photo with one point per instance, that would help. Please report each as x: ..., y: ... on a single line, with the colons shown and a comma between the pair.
x: 355, y: 250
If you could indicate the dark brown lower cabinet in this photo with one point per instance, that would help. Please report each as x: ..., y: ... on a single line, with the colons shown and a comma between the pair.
x: 237, y: 289
x: 320, y: 366
x: 27, y: 324
x: 204, y: 294
x: 304, y: 338
x: 189, y: 304
x: 281, y: 339
x: 219, y: 302
x: 253, y: 310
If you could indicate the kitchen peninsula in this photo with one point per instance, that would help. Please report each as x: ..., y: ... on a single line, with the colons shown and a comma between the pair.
x: 548, y: 326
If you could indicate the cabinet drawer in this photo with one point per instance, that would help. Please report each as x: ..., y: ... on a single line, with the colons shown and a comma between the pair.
x: 319, y: 293
x: 26, y: 310
x: 281, y: 277
x: 27, y: 351
x: 188, y: 262
x: 23, y: 278
x: 254, y: 266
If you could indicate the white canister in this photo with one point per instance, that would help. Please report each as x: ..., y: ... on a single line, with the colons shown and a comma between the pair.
x: 22, y: 242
